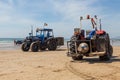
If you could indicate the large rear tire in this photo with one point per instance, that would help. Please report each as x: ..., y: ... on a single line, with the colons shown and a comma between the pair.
x: 34, y: 47
x: 25, y: 46
x: 107, y: 47
x: 105, y: 57
x: 52, y: 44
x: 111, y: 50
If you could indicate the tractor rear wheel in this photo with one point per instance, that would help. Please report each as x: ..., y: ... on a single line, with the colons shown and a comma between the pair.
x: 110, y: 50
x: 107, y: 47
x: 34, y: 47
x: 105, y: 57
x: 25, y: 46
x: 52, y: 44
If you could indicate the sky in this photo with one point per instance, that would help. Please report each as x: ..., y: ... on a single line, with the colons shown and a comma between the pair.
x: 17, y: 16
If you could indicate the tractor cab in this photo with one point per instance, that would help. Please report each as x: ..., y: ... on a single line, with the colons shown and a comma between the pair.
x: 44, y: 34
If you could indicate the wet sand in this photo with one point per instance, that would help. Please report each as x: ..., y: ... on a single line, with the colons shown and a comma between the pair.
x: 55, y: 65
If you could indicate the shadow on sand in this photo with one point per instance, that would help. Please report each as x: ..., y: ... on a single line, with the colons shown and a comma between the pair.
x: 49, y: 50
x: 96, y: 60
x: 60, y: 49
x: 55, y: 50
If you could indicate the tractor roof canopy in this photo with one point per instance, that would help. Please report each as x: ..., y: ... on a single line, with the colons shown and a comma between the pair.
x: 43, y: 29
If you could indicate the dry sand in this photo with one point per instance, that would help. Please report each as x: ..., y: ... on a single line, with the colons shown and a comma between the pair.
x: 55, y: 65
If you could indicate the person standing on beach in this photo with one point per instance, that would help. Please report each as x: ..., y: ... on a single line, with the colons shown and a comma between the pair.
x: 14, y: 42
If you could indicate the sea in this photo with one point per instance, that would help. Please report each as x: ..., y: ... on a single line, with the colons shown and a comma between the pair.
x: 8, y: 43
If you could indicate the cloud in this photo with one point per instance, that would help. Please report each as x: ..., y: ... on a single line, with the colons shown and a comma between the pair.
x: 61, y: 15
x: 21, y: 13
x: 72, y: 10
x: 67, y: 10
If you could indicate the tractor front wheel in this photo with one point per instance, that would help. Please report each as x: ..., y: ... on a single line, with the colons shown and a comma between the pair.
x: 72, y: 44
x: 25, y: 46
x: 34, y: 47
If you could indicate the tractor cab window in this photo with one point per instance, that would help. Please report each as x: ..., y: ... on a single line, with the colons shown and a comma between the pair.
x: 50, y: 33
x: 37, y: 33
x: 40, y: 33
x: 45, y: 33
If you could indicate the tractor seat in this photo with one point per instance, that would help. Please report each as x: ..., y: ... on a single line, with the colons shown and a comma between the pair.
x: 48, y: 35
x: 90, y: 34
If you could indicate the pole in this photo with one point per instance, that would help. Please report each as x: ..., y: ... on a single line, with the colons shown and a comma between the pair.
x: 100, y: 24
x: 81, y: 22
x: 32, y: 30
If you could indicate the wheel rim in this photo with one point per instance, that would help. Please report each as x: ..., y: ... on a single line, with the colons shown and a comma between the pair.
x: 25, y: 47
x: 54, y: 45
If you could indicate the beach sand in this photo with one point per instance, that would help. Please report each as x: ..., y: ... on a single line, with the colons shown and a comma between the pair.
x: 55, y: 65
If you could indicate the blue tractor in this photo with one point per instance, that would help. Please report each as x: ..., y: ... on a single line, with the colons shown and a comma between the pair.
x: 43, y: 40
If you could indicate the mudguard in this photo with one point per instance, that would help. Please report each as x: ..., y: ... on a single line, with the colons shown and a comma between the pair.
x: 100, y: 32
x: 60, y: 41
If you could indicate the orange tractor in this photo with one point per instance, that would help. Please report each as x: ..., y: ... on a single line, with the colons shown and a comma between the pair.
x: 94, y: 42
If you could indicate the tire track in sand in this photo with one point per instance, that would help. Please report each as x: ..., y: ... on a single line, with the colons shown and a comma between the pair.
x: 80, y: 74
x: 115, y: 71
x: 90, y: 77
